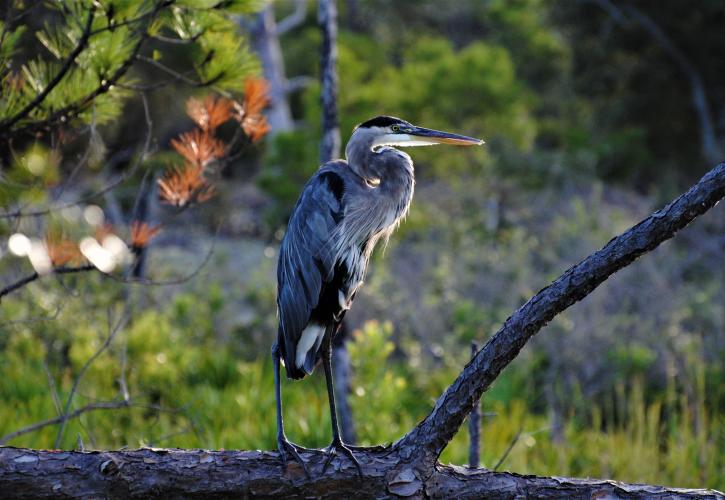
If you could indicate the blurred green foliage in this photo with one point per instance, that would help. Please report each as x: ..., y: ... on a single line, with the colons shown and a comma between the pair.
x: 191, y: 390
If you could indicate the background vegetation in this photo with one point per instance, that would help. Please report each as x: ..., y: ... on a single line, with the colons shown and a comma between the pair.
x: 591, y: 120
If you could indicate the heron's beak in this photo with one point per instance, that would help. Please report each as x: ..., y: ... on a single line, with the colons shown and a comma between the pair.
x: 430, y: 136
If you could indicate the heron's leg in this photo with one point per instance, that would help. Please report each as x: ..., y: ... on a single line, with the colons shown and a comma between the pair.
x: 283, y: 445
x: 337, y: 444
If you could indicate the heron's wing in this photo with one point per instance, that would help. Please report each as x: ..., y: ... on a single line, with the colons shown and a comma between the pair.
x: 306, y: 261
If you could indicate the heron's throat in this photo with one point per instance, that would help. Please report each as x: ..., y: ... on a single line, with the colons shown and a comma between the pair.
x: 377, y: 163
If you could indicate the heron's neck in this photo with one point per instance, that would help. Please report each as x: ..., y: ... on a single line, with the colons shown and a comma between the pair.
x: 383, y: 164
x: 361, y: 157
x: 392, y: 169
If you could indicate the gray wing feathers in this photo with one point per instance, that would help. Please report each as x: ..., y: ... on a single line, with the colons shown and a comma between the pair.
x: 306, y: 260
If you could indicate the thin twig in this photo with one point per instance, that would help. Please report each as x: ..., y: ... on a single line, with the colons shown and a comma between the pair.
x: 293, y: 20
x: 64, y: 418
x: 508, y: 450
x: 52, y: 385
x: 171, y: 282
x: 32, y: 277
x: 33, y: 319
x: 131, y: 281
x: 175, y: 41
x: 513, y: 443
x: 108, y: 405
x: 180, y: 76
x: 111, y: 27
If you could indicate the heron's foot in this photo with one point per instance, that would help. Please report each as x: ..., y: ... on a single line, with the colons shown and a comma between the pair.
x: 287, y: 449
x: 336, y: 447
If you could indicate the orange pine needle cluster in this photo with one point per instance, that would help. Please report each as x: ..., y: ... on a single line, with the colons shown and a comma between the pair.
x: 198, y: 147
x: 187, y: 184
x: 249, y: 113
x: 61, y: 251
x: 142, y: 233
x: 183, y: 185
x: 209, y: 113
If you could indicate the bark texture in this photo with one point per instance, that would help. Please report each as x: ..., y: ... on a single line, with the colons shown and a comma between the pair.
x: 408, y: 468
x: 150, y: 473
x: 327, y: 19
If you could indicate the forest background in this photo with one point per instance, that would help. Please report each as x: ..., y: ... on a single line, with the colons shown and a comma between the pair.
x: 594, y: 114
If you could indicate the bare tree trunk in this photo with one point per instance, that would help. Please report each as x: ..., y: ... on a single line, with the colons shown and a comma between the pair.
x: 265, y: 41
x: 327, y: 18
x: 329, y: 150
x: 407, y: 468
x: 343, y: 384
x: 144, y: 211
x: 474, y: 427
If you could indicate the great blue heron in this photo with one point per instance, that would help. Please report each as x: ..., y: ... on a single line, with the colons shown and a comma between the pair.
x: 344, y: 210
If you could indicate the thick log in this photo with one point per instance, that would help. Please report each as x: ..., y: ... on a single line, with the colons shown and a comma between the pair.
x: 170, y: 473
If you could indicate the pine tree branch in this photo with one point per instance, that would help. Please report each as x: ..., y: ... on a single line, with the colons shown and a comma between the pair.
x: 67, y: 64
x: 73, y: 109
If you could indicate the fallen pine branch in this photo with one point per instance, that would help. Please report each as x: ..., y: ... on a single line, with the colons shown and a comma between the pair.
x: 170, y: 473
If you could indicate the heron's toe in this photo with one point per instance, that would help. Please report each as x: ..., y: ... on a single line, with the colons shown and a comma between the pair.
x: 287, y: 449
x: 339, y: 447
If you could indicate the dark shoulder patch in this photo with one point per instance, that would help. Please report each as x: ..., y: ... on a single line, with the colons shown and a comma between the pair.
x: 335, y: 183
x: 381, y: 121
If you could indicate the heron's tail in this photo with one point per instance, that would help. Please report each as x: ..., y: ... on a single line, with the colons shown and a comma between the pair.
x: 300, y: 357
x: 287, y: 352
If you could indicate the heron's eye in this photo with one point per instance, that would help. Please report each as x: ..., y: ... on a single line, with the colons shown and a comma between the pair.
x: 395, y: 128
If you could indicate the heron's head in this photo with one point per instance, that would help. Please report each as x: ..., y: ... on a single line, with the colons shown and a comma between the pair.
x: 390, y: 131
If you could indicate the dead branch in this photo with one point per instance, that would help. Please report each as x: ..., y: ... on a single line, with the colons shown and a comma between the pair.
x: 427, y: 440
x: 293, y: 20
x: 34, y: 276
x: 161, y: 473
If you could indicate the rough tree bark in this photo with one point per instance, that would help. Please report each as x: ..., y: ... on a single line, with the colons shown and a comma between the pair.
x: 168, y: 473
x: 407, y: 468
x: 329, y: 150
x: 265, y: 40
x: 327, y: 19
